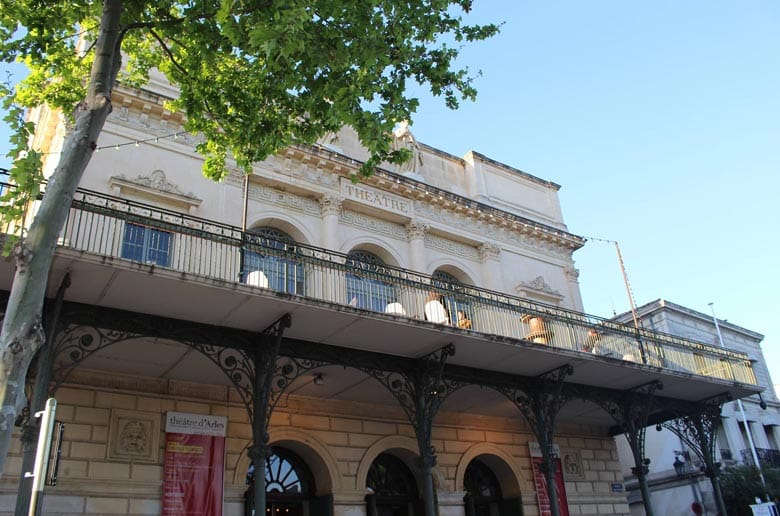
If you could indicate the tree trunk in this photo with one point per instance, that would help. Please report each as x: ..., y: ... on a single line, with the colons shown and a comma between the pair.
x: 22, y: 334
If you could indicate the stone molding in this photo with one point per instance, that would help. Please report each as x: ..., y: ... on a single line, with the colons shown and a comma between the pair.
x: 451, y: 247
x: 373, y: 224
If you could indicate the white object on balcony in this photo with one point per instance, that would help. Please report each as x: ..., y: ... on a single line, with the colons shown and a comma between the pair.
x: 395, y: 309
x: 257, y: 279
x: 435, y: 312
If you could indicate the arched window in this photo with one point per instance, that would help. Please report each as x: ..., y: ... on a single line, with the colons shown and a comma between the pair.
x: 392, y: 486
x: 267, y: 262
x: 365, y: 286
x: 289, y: 485
x: 453, y: 299
x: 482, y: 489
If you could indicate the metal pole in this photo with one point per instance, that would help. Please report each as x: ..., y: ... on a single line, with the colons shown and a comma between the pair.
x: 742, y: 412
x: 42, y: 454
x: 628, y: 286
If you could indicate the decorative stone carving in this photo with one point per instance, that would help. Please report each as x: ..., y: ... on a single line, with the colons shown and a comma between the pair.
x: 134, y: 436
x: 158, y: 181
x: 330, y: 205
x: 156, y: 187
x: 330, y: 141
x: 404, y: 139
x: 539, y: 285
x: 573, y: 274
x: 488, y: 251
x: 416, y: 229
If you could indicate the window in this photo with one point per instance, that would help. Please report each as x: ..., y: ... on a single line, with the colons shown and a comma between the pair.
x: 289, y: 484
x: 270, y: 255
x: 453, y: 299
x: 365, y: 288
x: 147, y: 245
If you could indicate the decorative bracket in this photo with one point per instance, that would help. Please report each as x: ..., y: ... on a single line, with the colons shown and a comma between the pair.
x: 630, y: 410
x: 420, y: 391
x: 697, y: 427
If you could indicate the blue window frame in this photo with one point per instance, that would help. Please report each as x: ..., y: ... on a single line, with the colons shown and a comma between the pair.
x: 147, y: 245
x: 283, y: 274
x: 364, y: 289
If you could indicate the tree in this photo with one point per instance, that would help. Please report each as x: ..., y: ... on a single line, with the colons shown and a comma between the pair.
x: 254, y: 77
x: 741, y: 486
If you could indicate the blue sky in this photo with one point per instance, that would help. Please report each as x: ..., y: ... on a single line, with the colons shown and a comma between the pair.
x: 661, y: 121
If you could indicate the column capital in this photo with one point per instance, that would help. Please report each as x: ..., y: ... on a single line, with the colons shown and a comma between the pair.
x: 416, y: 229
x: 330, y: 204
x: 489, y: 251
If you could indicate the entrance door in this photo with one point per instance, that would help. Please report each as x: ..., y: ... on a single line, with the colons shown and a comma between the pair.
x: 289, y: 485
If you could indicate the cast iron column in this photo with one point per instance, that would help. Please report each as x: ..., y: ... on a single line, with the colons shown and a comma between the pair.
x: 698, y: 428
x: 420, y: 392
x: 540, y: 400
x: 630, y: 411
x: 265, y: 367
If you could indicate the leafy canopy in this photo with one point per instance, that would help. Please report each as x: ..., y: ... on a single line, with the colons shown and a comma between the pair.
x: 256, y: 75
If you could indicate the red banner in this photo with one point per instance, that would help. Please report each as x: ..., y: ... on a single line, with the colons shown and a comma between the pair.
x: 194, y: 465
x: 542, y: 494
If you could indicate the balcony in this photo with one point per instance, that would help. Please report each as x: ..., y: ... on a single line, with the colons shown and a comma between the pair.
x: 138, y: 257
x: 768, y: 458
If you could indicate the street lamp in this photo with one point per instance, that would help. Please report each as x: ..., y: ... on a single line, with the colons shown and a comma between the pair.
x: 679, y: 467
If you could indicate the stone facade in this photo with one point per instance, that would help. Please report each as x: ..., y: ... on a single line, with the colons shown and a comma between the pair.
x: 338, y: 441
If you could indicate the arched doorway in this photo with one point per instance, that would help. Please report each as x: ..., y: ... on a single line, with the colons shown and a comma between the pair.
x: 289, y: 485
x: 483, y: 491
x: 265, y: 263
x: 392, y: 487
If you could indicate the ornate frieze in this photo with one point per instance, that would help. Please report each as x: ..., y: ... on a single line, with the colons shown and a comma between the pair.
x: 287, y: 200
x: 451, y: 247
x: 373, y: 224
x: 330, y: 205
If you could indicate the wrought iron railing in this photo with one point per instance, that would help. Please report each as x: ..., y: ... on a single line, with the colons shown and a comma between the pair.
x: 766, y: 457
x: 123, y: 229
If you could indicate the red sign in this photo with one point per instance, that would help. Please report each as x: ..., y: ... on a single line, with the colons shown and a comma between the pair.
x: 194, y: 465
x: 540, y: 480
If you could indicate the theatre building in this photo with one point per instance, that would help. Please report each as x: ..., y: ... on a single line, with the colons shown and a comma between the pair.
x: 412, y: 343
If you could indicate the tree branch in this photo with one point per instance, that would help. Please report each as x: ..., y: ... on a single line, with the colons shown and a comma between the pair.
x: 168, y: 52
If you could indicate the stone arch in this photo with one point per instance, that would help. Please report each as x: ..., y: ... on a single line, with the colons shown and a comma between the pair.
x: 383, y: 249
x: 316, y: 455
x: 295, y: 227
x: 405, y: 448
x: 508, y: 473
x: 462, y: 272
